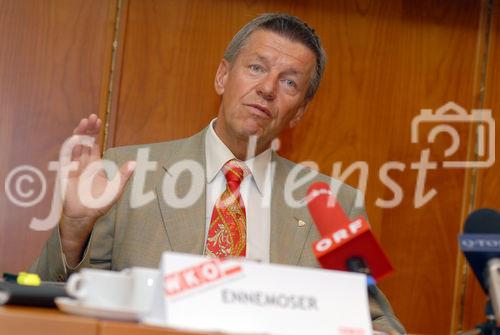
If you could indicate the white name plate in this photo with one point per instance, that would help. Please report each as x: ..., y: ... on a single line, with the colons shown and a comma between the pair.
x: 244, y: 297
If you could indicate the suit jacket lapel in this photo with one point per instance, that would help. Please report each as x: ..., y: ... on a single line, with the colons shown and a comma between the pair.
x: 289, y: 226
x: 185, y: 227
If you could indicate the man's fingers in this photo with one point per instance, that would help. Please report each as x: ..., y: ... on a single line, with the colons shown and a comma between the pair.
x: 85, y: 151
x: 94, y: 125
x: 84, y: 157
x: 92, y: 120
x: 124, y: 174
x: 99, y: 124
x: 82, y: 126
x: 126, y: 170
x: 76, y: 158
x: 114, y: 187
x: 76, y: 152
x: 95, y: 153
x: 88, y: 126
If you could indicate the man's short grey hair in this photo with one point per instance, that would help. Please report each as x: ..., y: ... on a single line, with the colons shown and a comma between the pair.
x: 287, y: 26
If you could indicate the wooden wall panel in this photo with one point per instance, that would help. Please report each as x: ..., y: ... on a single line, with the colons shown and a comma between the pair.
x: 166, y: 81
x: 54, y: 64
x: 488, y: 181
x: 387, y: 60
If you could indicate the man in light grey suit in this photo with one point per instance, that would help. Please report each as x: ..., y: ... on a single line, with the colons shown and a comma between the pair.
x: 269, y: 73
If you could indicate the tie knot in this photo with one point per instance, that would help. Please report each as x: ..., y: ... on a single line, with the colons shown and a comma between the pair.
x: 235, y: 171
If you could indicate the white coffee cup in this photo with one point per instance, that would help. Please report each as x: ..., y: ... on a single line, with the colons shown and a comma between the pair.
x: 144, y: 285
x: 101, y: 288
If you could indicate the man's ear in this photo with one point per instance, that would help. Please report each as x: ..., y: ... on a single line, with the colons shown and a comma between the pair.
x: 299, y: 114
x: 221, y: 76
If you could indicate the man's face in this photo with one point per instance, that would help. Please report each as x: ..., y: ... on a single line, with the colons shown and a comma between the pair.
x: 263, y: 90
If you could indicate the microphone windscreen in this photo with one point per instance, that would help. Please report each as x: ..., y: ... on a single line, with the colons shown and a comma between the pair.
x: 483, y: 221
x: 327, y: 213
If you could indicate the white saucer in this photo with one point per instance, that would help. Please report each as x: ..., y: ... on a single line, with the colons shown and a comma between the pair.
x: 73, y: 306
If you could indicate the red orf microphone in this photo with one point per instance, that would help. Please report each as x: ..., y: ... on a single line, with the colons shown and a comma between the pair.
x: 343, y: 241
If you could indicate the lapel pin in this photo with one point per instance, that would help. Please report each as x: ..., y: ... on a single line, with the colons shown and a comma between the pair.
x: 301, y: 223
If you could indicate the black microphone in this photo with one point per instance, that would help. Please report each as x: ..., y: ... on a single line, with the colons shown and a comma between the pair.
x: 480, y: 242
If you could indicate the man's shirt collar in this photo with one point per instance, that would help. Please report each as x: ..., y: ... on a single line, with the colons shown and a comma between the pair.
x: 217, y: 154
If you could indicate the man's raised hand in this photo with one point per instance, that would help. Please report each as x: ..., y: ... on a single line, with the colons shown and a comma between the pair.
x: 87, y: 191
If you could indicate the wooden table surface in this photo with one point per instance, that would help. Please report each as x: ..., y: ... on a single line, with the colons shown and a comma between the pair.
x: 21, y: 320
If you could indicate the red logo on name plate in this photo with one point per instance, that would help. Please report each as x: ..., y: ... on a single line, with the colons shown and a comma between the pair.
x: 200, y: 275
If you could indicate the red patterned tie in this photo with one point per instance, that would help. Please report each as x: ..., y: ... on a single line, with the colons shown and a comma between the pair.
x: 227, y: 231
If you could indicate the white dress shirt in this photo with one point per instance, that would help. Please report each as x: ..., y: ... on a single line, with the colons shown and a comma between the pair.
x: 255, y: 191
